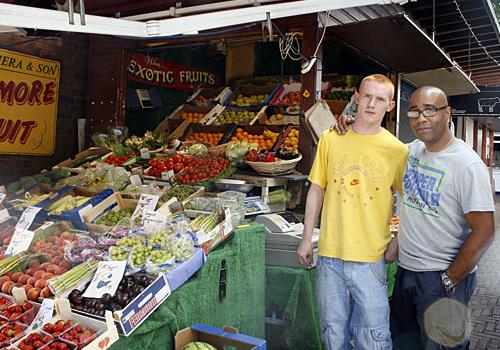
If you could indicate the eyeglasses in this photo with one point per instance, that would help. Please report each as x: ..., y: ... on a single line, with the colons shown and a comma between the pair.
x: 427, y: 112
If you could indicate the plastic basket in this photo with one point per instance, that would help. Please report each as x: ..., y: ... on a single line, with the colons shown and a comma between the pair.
x: 279, y: 167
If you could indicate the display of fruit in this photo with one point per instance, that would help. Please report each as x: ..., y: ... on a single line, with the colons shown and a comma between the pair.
x: 202, y: 168
x: 205, y: 137
x: 57, y: 328
x: 130, y: 242
x: 6, y: 232
x: 54, y: 246
x: 112, y: 217
x: 175, y: 163
x: 67, y: 203
x: 118, y: 254
x: 253, y: 100
x: 120, y: 160
x: 160, y: 256
x: 157, y: 239
x: 23, y: 313
x: 129, y: 288
x: 291, y: 142
x: 342, y: 94
x: 192, y: 117
x: 291, y: 99
x: 60, y: 345
x: 139, y: 256
x: 11, y: 332
x: 201, y: 100
x: 34, y: 340
x: 231, y: 116
x: 80, y: 335
x: 262, y: 156
x: 4, y: 300
x: 264, y: 141
x: 198, y: 345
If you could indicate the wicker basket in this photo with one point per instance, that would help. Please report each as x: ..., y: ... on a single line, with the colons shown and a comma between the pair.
x: 280, y: 167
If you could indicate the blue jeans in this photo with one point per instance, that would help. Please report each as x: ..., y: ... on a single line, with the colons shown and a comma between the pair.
x: 420, y: 305
x: 353, y: 305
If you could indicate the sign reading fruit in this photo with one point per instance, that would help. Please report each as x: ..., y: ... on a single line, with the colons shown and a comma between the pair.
x: 155, y: 71
x: 29, y: 89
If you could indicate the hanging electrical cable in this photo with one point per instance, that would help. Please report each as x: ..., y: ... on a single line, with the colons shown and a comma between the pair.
x: 473, y: 34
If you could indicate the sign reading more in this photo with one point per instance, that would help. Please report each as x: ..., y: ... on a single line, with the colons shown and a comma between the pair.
x: 29, y: 89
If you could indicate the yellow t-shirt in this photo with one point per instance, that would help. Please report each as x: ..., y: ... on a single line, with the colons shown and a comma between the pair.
x: 357, y: 172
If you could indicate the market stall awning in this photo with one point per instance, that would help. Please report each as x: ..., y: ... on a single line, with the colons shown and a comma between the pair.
x: 40, y: 18
x: 395, y: 42
x: 453, y: 81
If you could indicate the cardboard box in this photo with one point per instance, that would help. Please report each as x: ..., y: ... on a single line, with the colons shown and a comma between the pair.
x: 214, y: 96
x: 220, y: 338
x: 113, y: 202
x: 75, y: 215
x: 145, y: 303
x: 253, y: 89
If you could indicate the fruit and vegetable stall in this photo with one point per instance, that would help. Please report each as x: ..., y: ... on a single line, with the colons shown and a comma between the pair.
x: 108, y: 246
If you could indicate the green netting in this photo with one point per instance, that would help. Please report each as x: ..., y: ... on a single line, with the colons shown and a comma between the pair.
x: 291, y: 297
x: 198, y: 300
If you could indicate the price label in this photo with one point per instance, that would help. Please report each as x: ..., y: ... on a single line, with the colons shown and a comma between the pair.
x: 20, y: 241
x: 146, y: 202
x: 106, y: 279
x: 145, y: 153
x: 153, y: 221
x: 27, y: 217
x: 167, y: 175
x: 2, y: 197
x: 136, y: 180
x: 44, y: 315
x: 4, y: 215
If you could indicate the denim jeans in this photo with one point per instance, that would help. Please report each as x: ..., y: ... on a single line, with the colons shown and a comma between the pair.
x: 353, y: 305
x: 416, y: 297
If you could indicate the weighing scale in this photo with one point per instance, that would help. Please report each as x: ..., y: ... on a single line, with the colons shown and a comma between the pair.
x: 283, y: 235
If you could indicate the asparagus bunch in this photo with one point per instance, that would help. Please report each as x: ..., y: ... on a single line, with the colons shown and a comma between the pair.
x: 72, y: 278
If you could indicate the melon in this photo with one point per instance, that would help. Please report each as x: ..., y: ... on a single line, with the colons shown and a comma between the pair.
x: 198, y: 345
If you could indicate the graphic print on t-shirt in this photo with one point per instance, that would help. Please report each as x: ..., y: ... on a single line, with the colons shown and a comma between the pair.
x: 359, y: 177
x: 422, y: 186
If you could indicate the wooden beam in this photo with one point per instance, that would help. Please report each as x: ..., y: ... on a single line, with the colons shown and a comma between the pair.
x: 483, y: 145
x: 306, y: 145
x: 464, y: 129
x: 474, y: 135
x: 492, y: 148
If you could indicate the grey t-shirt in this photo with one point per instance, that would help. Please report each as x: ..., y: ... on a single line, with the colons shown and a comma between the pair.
x: 438, y: 189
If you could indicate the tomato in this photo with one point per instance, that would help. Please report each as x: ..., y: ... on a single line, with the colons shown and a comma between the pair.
x: 178, y: 167
x: 176, y: 158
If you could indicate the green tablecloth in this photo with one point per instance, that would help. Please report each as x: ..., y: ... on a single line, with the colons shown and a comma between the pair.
x: 197, y: 301
x: 292, y: 319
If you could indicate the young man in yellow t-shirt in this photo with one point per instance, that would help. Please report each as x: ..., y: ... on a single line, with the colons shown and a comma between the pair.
x: 351, y: 178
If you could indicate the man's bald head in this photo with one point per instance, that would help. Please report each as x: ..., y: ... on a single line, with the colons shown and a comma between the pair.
x: 431, y: 93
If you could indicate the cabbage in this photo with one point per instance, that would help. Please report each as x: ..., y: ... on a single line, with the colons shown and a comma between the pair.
x: 197, y: 148
x: 236, y: 150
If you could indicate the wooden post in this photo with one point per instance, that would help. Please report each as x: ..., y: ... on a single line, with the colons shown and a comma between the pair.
x: 474, y: 135
x: 464, y: 129
x: 483, y: 145
x: 492, y: 148
x: 308, y: 99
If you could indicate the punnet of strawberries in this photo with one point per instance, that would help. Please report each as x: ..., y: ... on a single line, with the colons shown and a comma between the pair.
x: 19, y: 312
x: 59, y: 327
x: 59, y: 345
x: 9, y: 332
x: 80, y: 335
x: 34, y: 341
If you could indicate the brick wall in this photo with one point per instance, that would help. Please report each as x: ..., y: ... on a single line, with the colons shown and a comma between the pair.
x: 71, y: 51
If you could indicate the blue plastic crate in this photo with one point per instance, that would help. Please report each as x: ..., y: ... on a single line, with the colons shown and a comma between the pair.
x: 73, y: 215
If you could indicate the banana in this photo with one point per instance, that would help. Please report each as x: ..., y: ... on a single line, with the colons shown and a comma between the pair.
x: 268, y: 134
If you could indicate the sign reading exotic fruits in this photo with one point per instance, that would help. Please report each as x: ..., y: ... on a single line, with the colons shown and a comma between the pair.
x: 28, y: 104
x: 155, y: 71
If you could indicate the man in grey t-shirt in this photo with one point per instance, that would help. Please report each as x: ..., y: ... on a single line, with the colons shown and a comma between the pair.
x: 446, y: 226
